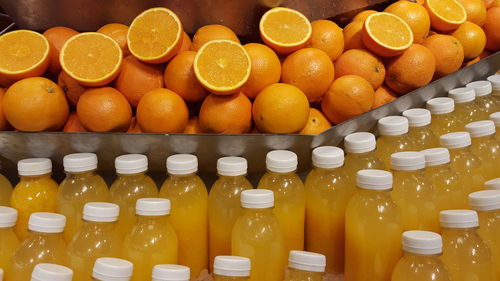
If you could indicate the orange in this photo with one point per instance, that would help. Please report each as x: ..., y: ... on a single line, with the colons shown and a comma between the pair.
x: 309, y: 69
x: 491, y: 28
x: 57, y: 36
x: 134, y: 127
x: 415, y: 16
x: 93, y: 59
x: 265, y: 69
x: 212, y: 32
x: 162, y: 111
x: 488, y: 3
x: 382, y: 96
x: 155, y: 36
x: 118, y: 32
x: 362, y: 63
x: 348, y: 97
x: 193, y: 126
x: 236, y: 117
x: 284, y: 30
x: 73, y: 124
x: 71, y: 87
x: 483, y: 55
x: 222, y: 66
x: 186, y: 43
x: 179, y: 77
x: 476, y: 11
x: 495, y: 3
x: 379, y: 32
x: 446, y: 15
x: 23, y: 54
x: 35, y: 104
x: 411, y: 70
x: 137, y: 78
x: 447, y: 51
x: 472, y: 38
x: 280, y: 108
x: 104, y: 110
x: 317, y: 123
x: 361, y: 16
x: 328, y: 37
x: 4, y: 124
x: 352, y: 36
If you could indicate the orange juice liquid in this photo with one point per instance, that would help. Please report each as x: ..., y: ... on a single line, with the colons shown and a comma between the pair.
x: 468, y: 112
x: 489, y: 222
x: 420, y: 267
x: 423, y: 138
x: 8, y: 244
x: 302, y: 275
x: 445, y: 123
x: 487, y: 148
x: 469, y: 168
x: 450, y: 192
x: 230, y: 278
x: 387, y: 145
x: 359, y: 161
x: 487, y: 105
x: 5, y: 191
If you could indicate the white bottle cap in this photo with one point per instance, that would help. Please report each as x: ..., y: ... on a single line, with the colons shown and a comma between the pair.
x: 182, y: 164
x: 232, y: 166
x: 232, y: 266
x: 281, y: 161
x: 360, y: 142
x: 482, y: 88
x: 495, y: 117
x: 493, y: 184
x: 422, y: 242
x: 47, y: 222
x: 459, y: 219
x: 1, y: 274
x: 80, y: 162
x: 462, y: 95
x: 393, y: 126
x: 417, y: 117
x: 152, y: 207
x: 171, y: 272
x: 328, y: 157
x: 131, y: 164
x: 407, y: 161
x: 257, y: 199
x: 307, y: 261
x: 440, y: 105
x: 101, y: 212
x: 480, y: 128
x: 51, y: 272
x: 8, y: 217
x: 485, y: 200
x: 374, y: 179
x: 495, y: 81
x: 34, y: 167
x: 112, y: 269
x: 436, y: 156
x: 455, y: 140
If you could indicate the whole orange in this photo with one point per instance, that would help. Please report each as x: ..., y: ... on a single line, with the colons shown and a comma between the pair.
x: 353, y: 35
x: 186, y: 43
x: 134, y: 127
x: 447, y: 51
x: 226, y: 114
x: 476, y: 10
x: 361, y: 16
x: 415, y: 15
x: 316, y: 124
x: 193, y: 126
x: 472, y: 37
x: 118, y: 32
x: 57, y: 36
x: 382, y: 96
x: 73, y: 124
x: 483, y: 55
x: 328, y: 37
x: 265, y: 69
x: 179, y: 77
x: 4, y: 124
x: 363, y: 63
x: 71, y: 87
x: 212, y: 32
x: 491, y: 29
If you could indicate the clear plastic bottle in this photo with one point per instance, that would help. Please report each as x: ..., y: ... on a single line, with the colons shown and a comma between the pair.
x: 112, y: 269
x: 171, y: 272
x: 189, y: 198
x: 1, y: 274
x: 35, y: 192
x: 289, y: 196
x: 485, y: 145
x: 81, y: 185
x: 5, y: 191
x: 493, y: 184
x: 305, y: 266
x: 257, y: 235
x: 393, y: 137
x: 328, y: 191
x: 373, y: 229
x: 132, y: 183
x: 495, y: 86
x: 52, y: 272
x: 484, y: 99
x: 465, y: 254
x: 97, y: 238
x: 152, y: 240
x: 466, y: 109
x: 360, y: 154
x: 44, y: 244
x: 413, y: 192
x: 8, y: 239
x: 444, y: 120
x: 420, y: 132
x: 420, y: 260
x: 231, y: 268
x: 495, y: 117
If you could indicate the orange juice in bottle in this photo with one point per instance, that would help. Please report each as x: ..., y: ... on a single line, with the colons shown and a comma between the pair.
x: 35, y: 192
x: 112, y: 269
x: 493, y: 184
x: 465, y: 254
x: 231, y: 268
x: 486, y: 146
x: 328, y: 190
x: 495, y: 86
x: 189, y: 198
x: 495, y: 117
x: 52, y: 272
x: 8, y: 239
x: 484, y: 99
x: 81, y: 185
x: 360, y: 154
x: 393, y: 137
x: 419, y: 121
x: 289, y: 194
x: 5, y: 191
x: 373, y: 229
x: 466, y: 109
x: 170, y: 272
x: 305, y: 266
x: 444, y: 120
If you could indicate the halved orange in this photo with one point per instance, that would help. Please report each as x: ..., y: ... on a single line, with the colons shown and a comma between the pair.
x: 285, y: 30
x: 93, y: 59
x: 446, y: 15
x: 155, y: 35
x: 23, y: 54
x: 386, y: 35
x: 222, y: 66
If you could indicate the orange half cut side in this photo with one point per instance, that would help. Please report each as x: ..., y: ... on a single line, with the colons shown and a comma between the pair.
x: 446, y: 15
x: 386, y: 34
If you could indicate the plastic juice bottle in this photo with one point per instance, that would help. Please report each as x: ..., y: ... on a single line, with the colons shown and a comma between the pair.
x: 444, y: 120
x: 487, y: 205
x: 328, y: 190
x: 35, y: 192
x: 373, y: 229
x: 465, y: 254
x: 152, y: 240
x: 224, y: 204
x: 495, y: 117
x: 8, y: 239
x: 485, y: 145
x: 1, y: 274
x: 170, y: 272
x: 360, y: 149
x: 189, y: 198
x: 44, y: 244
x: 420, y: 260
x: 231, y: 268
x: 451, y: 193
x: 289, y: 194
x: 257, y: 235
x: 393, y: 137
x: 419, y: 121
x: 305, y: 266
x: 97, y: 238
x: 495, y: 85
x: 5, y: 191
x: 132, y: 183
x: 51, y: 272
x: 484, y: 98
x: 112, y: 269
x: 466, y: 109
x: 413, y: 192
x: 467, y: 164
x: 493, y: 184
